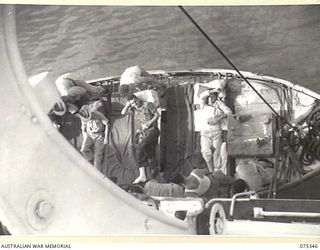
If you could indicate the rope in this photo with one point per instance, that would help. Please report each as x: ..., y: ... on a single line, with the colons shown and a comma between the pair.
x: 234, y: 67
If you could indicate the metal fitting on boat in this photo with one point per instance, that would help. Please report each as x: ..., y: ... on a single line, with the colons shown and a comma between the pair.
x: 40, y: 209
x: 261, y: 141
x: 43, y: 209
x: 34, y: 119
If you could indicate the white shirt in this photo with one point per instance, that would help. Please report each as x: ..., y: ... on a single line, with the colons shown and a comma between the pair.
x: 130, y: 75
x: 208, y: 111
x: 254, y: 174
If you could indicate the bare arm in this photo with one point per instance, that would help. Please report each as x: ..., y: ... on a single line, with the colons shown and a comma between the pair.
x: 224, y: 108
x: 90, y: 88
x: 126, y: 109
x: 217, y: 118
x: 99, y: 116
x: 145, y: 79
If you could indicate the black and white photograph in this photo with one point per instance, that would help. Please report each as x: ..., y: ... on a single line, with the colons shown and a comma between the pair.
x: 160, y: 120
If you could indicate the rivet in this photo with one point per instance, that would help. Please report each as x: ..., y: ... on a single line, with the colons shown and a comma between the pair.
x: 34, y: 119
x: 43, y: 209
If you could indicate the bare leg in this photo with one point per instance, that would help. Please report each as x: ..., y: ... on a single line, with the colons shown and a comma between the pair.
x: 216, y: 142
x: 142, y: 176
x: 224, y: 157
x: 206, y: 151
x: 217, y: 156
x: 87, y: 147
x: 98, y: 153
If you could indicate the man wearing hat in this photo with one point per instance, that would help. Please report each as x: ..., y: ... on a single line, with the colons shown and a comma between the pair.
x: 67, y: 124
x: 77, y: 93
x: 196, y: 184
x: 213, y: 112
x: 148, y: 115
x: 201, y: 183
x: 95, y: 133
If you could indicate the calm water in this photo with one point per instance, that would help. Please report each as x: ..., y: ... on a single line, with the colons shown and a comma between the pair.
x: 98, y: 41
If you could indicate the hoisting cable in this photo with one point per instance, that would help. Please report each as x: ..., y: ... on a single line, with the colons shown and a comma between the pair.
x: 235, y: 68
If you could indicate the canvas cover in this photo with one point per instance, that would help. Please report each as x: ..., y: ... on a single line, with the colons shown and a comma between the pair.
x: 181, y: 141
x: 119, y: 158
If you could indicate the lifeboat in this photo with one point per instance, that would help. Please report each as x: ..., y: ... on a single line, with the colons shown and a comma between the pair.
x: 48, y: 188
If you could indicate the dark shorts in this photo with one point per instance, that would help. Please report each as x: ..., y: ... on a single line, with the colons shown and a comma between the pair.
x: 146, y: 147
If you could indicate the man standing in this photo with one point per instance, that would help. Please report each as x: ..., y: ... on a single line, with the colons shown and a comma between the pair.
x: 213, y: 112
x: 148, y: 115
x: 74, y: 95
x: 95, y: 132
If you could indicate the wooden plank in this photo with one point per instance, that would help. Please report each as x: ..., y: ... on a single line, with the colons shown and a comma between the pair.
x: 251, y: 135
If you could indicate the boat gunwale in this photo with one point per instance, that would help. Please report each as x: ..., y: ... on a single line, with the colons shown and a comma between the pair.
x: 223, y: 73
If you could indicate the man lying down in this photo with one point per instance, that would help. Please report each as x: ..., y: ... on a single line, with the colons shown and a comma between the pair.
x: 198, y: 184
